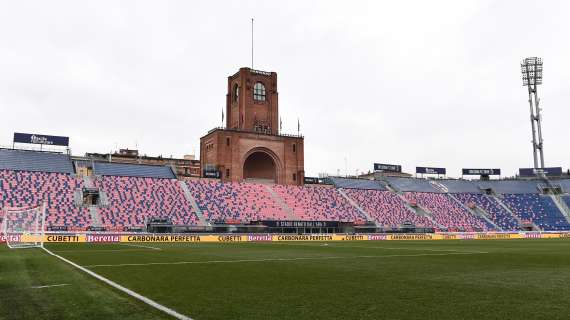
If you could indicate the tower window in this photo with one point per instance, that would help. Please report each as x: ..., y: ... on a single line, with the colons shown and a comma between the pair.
x: 259, y: 92
x: 294, y: 148
x: 235, y: 92
x: 294, y: 177
x: 227, y: 173
x: 228, y: 142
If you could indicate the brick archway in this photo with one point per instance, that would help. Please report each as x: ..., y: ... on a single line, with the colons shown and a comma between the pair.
x: 261, y: 164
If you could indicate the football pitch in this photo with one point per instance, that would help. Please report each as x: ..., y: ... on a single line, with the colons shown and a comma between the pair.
x: 495, y: 279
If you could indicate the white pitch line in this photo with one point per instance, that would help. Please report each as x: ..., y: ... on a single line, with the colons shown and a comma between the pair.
x: 275, y: 259
x: 140, y: 246
x: 100, y: 250
x: 117, y: 286
x: 382, y: 248
x: 51, y: 286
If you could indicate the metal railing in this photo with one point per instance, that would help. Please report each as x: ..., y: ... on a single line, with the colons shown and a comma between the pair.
x: 257, y: 132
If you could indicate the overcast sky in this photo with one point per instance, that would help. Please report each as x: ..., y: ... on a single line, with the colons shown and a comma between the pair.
x: 427, y: 83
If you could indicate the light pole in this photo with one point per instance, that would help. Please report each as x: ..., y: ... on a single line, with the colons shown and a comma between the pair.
x: 531, y: 69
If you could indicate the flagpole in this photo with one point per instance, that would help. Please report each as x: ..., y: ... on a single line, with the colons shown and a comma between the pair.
x: 252, y: 43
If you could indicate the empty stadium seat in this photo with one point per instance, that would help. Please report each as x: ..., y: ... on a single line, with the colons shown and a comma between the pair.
x: 235, y: 202
x: 497, y: 213
x: 539, y: 209
x: 412, y: 184
x: 318, y: 203
x: 22, y: 160
x: 447, y: 212
x: 387, y: 208
x: 133, y: 200
x: 460, y: 186
x: 566, y: 199
x: 22, y: 189
x: 510, y: 186
x: 363, y: 184
x: 132, y: 170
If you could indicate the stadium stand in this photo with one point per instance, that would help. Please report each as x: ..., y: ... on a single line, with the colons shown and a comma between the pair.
x: 460, y: 186
x: 447, y: 212
x: 134, y: 193
x: 23, y: 189
x: 133, y: 200
x: 318, y: 203
x: 541, y: 210
x: 387, y: 208
x: 566, y: 199
x: 496, y: 212
x: 21, y: 160
x: 510, y: 186
x: 412, y: 185
x: 565, y: 183
x: 363, y: 184
x: 235, y: 202
x: 132, y: 170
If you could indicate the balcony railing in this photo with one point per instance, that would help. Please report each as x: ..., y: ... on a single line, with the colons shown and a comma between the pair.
x: 257, y: 132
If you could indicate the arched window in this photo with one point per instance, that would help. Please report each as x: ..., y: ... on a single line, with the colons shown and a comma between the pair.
x: 235, y: 92
x: 259, y: 92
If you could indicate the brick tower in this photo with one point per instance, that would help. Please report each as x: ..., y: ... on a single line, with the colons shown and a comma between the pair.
x: 251, y: 147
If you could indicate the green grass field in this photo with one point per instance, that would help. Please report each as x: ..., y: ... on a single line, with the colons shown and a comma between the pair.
x: 498, y: 279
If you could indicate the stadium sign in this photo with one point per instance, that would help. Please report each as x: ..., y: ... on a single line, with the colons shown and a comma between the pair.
x: 531, y: 172
x: 313, y: 180
x: 103, y: 238
x: 300, y: 224
x: 387, y: 167
x: 41, y: 139
x: 212, y: 174
x: 428, y: 170
x: 146, y: 237
x: 57, y: 228
x: 481, y: 172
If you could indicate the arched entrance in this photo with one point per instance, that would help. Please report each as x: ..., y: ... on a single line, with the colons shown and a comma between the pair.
x: 260, y: 166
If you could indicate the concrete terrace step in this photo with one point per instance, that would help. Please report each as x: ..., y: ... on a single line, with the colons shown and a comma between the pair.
x: 354, y: 204
x: 193, y: 203
x: 504, y: 206
x: 95, y: 217
x: 562, y: 206
x: 477, y: 212
x: 290, y: 214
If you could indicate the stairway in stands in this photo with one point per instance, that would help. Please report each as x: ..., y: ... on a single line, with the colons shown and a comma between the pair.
x: 95, y: 217
x: 477, y: 212
x: 504, y: 206
x: 88, y: 182
x: 282, y: 204
x: 354, y: 204
x: 562, y: 206
x: 193, y: 203
x: 415, y: 209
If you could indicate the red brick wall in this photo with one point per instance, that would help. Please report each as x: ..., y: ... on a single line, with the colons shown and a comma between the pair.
x: 242, y: 144
x: 241, y: 114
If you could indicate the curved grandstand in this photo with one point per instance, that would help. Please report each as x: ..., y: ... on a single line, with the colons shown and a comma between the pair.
x: 129, y: 197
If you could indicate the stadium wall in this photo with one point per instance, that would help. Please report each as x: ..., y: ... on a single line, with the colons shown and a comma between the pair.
x: 193, y: 238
